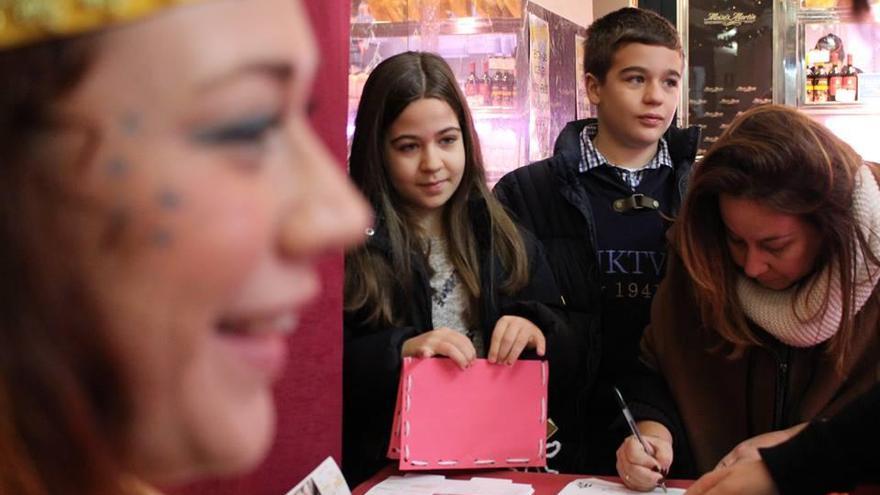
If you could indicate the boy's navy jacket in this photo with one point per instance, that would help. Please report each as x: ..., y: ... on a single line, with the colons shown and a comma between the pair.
x: 372, y: 359
x: 548, y: 198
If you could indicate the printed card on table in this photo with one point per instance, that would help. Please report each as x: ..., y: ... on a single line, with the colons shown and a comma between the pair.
x: 487, y: 416
x: 326, y: 479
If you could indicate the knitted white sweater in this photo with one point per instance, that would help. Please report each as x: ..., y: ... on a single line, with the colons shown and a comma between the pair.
x: 776, y: 311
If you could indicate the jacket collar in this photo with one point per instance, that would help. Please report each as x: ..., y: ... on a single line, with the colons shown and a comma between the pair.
x: 682, y: 142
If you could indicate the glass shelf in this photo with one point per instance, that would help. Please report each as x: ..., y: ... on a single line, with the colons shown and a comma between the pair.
x: 461, y: 25
x: 835, y: 108
x: 836, y: 14
x: 813, y: 39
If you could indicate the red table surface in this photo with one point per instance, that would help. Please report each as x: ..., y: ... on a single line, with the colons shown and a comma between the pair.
x: 543, y: 483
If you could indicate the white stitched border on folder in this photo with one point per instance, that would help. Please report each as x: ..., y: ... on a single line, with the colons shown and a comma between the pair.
x: 406, y: 452
x: 481, y: 462
x: 517, y: 460
x: 409, y: 385
x: 540, y: 448
x: 447, y: 463
x: 406, y: 428
x: 543, y: 410
x: 418, y: 463
x: 543, y: 374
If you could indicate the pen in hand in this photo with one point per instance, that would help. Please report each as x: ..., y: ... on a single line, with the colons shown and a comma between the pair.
x: 635, y: 430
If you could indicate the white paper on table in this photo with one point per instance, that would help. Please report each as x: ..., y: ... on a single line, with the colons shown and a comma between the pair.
x: 439, y: 485
x: 590, y: 486
x: 419, y: 484
x: 326, y: 479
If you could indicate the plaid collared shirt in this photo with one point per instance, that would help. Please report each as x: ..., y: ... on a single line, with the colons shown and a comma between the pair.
x: 592, y: 158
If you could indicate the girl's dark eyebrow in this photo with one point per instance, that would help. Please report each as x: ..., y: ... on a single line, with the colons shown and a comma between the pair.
x: 448, y: 129
x: 439, y: 133
x: 403, y: 136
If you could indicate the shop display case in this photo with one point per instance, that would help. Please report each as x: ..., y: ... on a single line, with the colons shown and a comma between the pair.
x: 830, y: 69
x: 483, y: 43
x: 487, y: 45
x: 810, y: 54
x: 729, y: 44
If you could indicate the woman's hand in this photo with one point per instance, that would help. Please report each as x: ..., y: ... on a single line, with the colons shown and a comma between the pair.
x: 642, y: 470
x: 511, y: 335
x: 441, y: 342
x: 747, y: 450
x: 745, y: 477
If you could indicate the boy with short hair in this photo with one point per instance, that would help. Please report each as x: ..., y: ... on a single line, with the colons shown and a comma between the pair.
x: 601, y: 206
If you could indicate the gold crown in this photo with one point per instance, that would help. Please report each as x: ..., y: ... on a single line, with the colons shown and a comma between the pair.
x: 27, y: 21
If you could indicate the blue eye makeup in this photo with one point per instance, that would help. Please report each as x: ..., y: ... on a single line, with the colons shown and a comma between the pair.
x: 245, y: 131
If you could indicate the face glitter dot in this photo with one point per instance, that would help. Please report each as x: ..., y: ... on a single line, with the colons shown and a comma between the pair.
x: 117, y: 169
x: 169, y: 200
x: 119, y: 217
x: 130, y: 123
x: 161, y: 238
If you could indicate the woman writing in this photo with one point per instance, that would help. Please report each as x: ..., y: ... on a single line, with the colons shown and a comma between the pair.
x: 768, y: 316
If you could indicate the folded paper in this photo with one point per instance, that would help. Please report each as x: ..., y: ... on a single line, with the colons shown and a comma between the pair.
x: 486, y: 416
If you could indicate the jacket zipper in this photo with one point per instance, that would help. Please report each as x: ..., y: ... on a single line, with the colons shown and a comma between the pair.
x: 781, y: 387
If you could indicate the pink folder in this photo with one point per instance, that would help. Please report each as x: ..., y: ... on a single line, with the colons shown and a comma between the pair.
x: 487, y: 416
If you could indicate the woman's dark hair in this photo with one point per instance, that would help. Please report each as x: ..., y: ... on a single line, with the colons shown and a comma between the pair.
x: 63, y: 404
x: 369, y: 279
x: 782, y: 159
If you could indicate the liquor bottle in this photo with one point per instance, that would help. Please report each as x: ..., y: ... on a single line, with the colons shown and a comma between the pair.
x: 497, y: 89
x: 506, y: 96
x: 820, y: 87
x: 470, y: 84
x: 835, y: 77
x: 850, y: 86
x: 485, y: 85
x: 810, y: 84
x: 815, y: 75
x: 512, y: 84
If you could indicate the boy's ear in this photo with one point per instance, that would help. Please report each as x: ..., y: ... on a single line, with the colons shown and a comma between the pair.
x: 594, y: 88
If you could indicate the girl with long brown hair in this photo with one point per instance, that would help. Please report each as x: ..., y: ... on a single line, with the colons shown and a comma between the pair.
x: 445, y: 271
x: 163, y: 202
x: 769, y: 315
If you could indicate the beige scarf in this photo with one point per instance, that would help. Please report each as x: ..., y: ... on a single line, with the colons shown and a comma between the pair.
x: 776, y: 310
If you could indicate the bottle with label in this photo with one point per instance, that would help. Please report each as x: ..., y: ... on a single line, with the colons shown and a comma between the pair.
x: 512, y: 88
x: 498, y: 88
x: 809, y: 84
x: 835, y: 77
x: 506, y: 96
x: 470, y: 84
x: 820, y: 86
x: 849, y: 90
x: 485, y: 85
